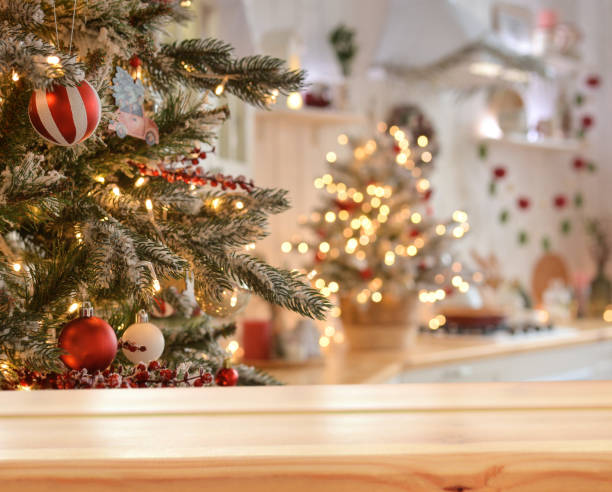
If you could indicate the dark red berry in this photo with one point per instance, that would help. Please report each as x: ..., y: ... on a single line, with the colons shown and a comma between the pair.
x: 499, y: 172
x: 523, y: 203
x: 198, y: 382
x: 579, y: 163
x: 560, y: 201
x: 154, y: 365
x: 587, y: 121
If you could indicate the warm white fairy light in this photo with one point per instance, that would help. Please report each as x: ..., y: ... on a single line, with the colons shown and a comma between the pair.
x: 17, y: 266
x: 233, y: 347
x: 464, y: 287
x: 358, y: 197
x: 401, y: 158
x: 331, y: 157
x: 116, y: 191
x: 286, y: 247
x: 460, y: 216
x: 426, y: 157
x: 458, y: 232
x: 375, y: 202
x: 294, y: 101
x: 422, y: 141
x: 343, y: 215
x: 360, y: 255
x: 220, y: 89
x: 347, y: 232
x: 324, y: 247
x: 327, y: 179
x: 384, y: 209
x: 440, y: 229
x: 330, y: 217
x: 359, y: 153
x: 423, y: 185
x: 15, y: 77
x: 456, y: 281
x: 73, y: 307
x: 376, y: 297
x: 302, y: 247
x: 318, y: 183
x: 319, y: 283
x: 607, y: 314
x: 343, y: 139
x: 399, y: 135
x: 216, y: 202
x: 389, y: 258
x: 456, y: 267
x: 53, y: 60
x: 434, y: 324
x: 324, y: 341
x: 412, y: 250
x: 415, y: 218
x: 156, y: 285
x: 139, y: 182
x: 419, y: 242
x: 477, y: 277
x: 149, y: 204
x: 239, y: 205
x: 393, y: 130
x: 355, y: 224
x: 333, y: 287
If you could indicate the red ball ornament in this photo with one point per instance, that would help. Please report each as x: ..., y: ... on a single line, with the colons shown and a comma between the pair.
x: 366, y: 273
x: 593, y: 81
x: 587, y: 121
x: 135, y: 61
x: 523, y: 203
x: 499, y: 172
x: 560, y: 201
x: 227, y: 375
x: 579, y: 163
x: 65, y: 115
x: 90, y: 342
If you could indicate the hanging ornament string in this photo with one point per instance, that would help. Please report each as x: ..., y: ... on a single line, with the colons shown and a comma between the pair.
x: 72, y: 28
x: 56, y: 30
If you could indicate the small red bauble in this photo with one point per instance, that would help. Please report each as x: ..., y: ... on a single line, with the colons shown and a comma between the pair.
x: 227, y: 375
x: 366, y: 273
x: 560, y: 201
x: 90, y: 342
x: 593, y: 81
x: 523, y: 203
x: 65, y: 115
x: 499, y: 172
x: 587, y: 121
x: 579, y: 163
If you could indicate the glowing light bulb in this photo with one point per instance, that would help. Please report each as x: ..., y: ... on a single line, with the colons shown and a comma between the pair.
x: 15, y: 77
x: 318, y: 183
x: 333, y: 286
x: 73, y: 307
x: 215, y: 203
x: 233, y: 346
x: 389, y: 258
x: 149, y: 204
x: 116, y: 191
x: 220, y: 89
x: 331, y: 157
x: 460, y: 216
x: 358, y: 197
x: 17, y: 267
x: 324, y: 341
x: 440, y: 229
x: 53, y: 60
x: 342, y: 139
x: 302, y: 247
x: 330, y: 217
x: 426, y: 156
x: 422, y: 141
x: 294, y: 101
x: 286, y: 247
x: 324, y: 247
x: 412, y: 250
x: 376, y: 296
x: 415, y: 218
x: 239, y: 205
x: 156, y: 285
x: 607, y: 314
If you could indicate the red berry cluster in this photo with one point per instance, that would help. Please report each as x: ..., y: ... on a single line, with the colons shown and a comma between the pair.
x: 152, y: 375
x: 197, y: 176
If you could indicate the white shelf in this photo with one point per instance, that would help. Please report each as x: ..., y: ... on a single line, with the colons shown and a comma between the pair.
x: 554, y: 144
x: 315, y: 116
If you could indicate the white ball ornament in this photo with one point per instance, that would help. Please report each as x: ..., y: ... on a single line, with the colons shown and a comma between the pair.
x: 143, y: 334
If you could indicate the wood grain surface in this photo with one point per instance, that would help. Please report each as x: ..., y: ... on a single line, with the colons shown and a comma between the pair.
x: 448, y: 437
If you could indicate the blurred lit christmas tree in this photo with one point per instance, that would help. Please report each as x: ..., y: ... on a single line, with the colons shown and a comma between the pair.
x: 108, y: 215
x: 376, y: 244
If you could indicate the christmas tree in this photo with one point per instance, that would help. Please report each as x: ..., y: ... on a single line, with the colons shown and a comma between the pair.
x: 374, y: 234
x: 105, y: 216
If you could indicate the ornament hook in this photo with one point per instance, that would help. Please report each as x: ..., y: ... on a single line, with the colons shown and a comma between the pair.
x: 87, y: 310
x: 142, y: 316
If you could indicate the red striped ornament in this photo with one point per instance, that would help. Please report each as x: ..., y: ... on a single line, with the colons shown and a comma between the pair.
x: 65, y: 115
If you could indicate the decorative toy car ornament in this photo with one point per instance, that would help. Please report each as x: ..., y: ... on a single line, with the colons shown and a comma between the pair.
x: 130, y: 118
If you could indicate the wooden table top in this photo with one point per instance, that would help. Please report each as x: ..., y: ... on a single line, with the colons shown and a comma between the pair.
x: 444, y: 437
x: 342, y: 366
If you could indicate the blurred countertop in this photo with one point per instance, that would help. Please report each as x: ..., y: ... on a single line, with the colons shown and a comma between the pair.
x: 340, y: 365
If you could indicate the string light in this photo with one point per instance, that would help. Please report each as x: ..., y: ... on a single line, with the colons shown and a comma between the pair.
x: 100, y: 179
x: 15, y: 77
x: 302, y: 247
x: 381, y: 127
x: 376, y: 296
x: 220, y: 89
x: 149, y: 204
x: 294, y: 101
x: 426, y: 156
x: 116, y: 191
x: 324, y: 341
x: 393, y: 130
x: 286, y: 247
x: 330, y: 217
x: 440, y: 229
x: 456, y: 281
x: 412, y: 250
x: 333, y: 286
x: 156, y: 285
x: 389, y: 258
x: 359, y: 153
x: 423, y: 185
x: 458, y: 232
x: 343, y: 215
x: 401, y: 158
x: 460, y: 216
x: 342, y: 139
x: 17, y: 267
x: 318, y: 183
x: 239, y: 205
x: 327, y: 179
x: 216, y: 202
x: 233, y: 346
x: 53, y: 60
x: 464, y: 287
x: 415, y: 218
x: 324, y: 247
x: 331, y: 157
x: 139, y: 182
x: 422, y: 141
x: 73, y: 307
x: 607, y: 314
x: 358, y: 197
